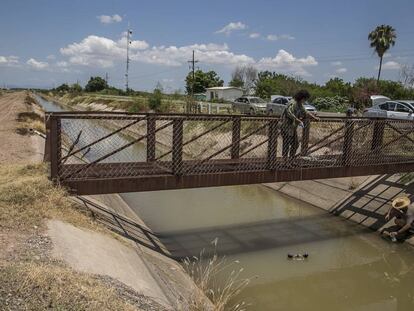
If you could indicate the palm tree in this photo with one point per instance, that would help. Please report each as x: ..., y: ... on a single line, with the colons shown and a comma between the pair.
x: 382, y: 38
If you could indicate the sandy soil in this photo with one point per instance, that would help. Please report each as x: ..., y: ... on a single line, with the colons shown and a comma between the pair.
x: 16, y: 148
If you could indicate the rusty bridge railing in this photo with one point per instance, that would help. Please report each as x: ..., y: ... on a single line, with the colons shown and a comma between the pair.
x: 87, y: 146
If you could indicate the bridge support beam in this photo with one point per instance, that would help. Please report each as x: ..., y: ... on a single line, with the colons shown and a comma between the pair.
x: 169, y: 182
x: 55, y: 148
x: 347, y: 146
x: 151, y: 127
x: 305, y: 137
x: 272, y: 145
x: 235, y: 138
x: 378, y: 134
x: 177, y: 146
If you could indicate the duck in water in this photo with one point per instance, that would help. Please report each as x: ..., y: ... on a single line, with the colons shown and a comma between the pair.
x: 298, y: 256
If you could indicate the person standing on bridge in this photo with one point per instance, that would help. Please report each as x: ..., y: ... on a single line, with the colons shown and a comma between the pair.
x: 292, y: 117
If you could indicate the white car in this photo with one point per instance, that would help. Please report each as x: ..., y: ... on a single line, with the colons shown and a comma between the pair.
x: 392, y: 109
x: 249, y: 105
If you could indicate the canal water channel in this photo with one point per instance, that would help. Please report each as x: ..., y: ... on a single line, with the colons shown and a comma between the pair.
x: 348, y: 268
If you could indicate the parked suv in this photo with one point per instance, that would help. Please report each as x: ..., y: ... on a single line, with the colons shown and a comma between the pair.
x: 250, y: 105
x: 279, y: 103
x: 393, y: 109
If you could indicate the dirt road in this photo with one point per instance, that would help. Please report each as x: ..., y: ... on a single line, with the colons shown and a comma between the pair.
x: 16, y: 148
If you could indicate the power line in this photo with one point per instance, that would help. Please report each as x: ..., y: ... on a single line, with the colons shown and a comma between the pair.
x: 192, y: 66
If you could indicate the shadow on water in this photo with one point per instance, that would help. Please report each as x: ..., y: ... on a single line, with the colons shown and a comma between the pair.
x: 250, y: 237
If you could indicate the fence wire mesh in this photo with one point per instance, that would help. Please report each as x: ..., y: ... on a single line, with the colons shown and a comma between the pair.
x: 122, y: 145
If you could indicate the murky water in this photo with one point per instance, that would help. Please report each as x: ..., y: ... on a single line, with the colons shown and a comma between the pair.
x: 349, y: 267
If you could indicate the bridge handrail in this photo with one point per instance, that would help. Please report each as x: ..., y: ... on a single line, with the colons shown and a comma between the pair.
x: 166, y: 116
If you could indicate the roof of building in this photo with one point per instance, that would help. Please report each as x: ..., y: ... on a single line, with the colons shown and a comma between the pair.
x: 223, y: 88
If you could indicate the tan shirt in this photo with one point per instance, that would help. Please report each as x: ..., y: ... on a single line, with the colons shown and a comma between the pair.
x: 410, y: 215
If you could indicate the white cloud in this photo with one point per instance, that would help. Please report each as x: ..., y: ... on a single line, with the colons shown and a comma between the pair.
x: 286, y: 62
x: 234, y: 26
x: 103, y: 52
x: 134, y: 44
x: 9, y: 60
x: 341, y: 70
x: 272, y: 37
x: 279, y: 37
x: 62, y: 64
x: 205, y: 53
x: 390, y: 65
x: 254, y: 35
x: 38, y: 65
x: 51, y: 57
x: 107, y: 19
x: 99, y: 51
x: 287, y: 37
x: 337, y: 63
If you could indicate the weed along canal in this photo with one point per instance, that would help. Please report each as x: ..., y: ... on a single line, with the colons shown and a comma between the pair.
x: 348, y: 267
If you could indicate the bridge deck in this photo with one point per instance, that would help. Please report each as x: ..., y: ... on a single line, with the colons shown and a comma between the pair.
x: 93, y: 153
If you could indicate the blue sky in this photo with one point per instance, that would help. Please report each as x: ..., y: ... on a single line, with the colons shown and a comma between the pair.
x: 47, y: 42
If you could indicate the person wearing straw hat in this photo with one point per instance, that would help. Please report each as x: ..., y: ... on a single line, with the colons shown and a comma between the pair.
x: 403, y: 211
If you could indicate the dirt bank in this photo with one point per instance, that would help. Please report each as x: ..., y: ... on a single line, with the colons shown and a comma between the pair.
x: 16, y: 146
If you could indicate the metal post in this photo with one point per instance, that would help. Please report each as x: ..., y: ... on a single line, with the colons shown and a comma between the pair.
x: 378, y: 134
x: 55, y: 145
x: 305, y: 137
x: 272, y: 144
x: 235, y: 138
x: 177, y: 146
x: 347, y: 147
x: 151, y: 127
x: 46, y: 156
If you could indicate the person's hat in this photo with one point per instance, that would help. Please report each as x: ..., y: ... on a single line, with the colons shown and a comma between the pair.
x: 401, y: 202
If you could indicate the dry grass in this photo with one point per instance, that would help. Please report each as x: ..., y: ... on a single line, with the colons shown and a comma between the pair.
x: 27, y: 198
x: 31, y: 120
x: 40, y: 286
x: 207, y: 274
x: 29, y: 280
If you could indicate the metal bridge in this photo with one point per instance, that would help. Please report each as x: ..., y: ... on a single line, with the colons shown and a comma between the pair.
x: 113, y: 152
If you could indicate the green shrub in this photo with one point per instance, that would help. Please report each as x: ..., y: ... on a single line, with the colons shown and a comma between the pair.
x: 334, y: 104
x: 139, y: 105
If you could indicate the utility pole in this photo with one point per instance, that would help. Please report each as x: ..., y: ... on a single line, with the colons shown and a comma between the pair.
x: 106, y: 78
x: 192, y: 67
x: 129, y: 33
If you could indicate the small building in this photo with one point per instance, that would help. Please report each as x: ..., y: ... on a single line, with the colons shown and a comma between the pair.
x: 228, y: 93
x: 200, y: 96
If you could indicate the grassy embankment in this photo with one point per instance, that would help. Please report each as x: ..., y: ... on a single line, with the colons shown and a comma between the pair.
x: 30, y: 279
x: 115, y: 102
